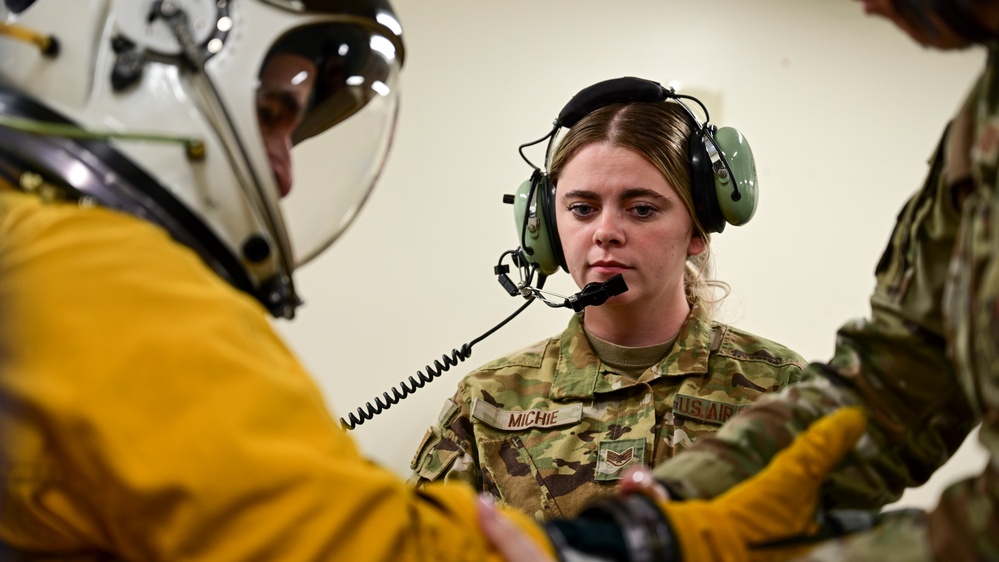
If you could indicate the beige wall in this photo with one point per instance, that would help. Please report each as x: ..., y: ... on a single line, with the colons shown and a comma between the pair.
x: 842, y: 113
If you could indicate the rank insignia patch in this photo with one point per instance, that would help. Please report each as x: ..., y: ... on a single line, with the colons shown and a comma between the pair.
x: 615, y: 456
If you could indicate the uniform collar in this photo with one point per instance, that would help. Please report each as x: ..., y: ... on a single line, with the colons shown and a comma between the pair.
x: 580, y: 374
x: 693, y: 346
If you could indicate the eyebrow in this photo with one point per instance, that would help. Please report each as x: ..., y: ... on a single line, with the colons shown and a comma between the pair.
x: 630, y: 193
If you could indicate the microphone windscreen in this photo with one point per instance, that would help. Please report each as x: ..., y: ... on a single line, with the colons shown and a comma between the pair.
x: 615, y: 285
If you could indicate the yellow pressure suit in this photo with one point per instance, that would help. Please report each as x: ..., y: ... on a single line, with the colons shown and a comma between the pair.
x: 149, y: 412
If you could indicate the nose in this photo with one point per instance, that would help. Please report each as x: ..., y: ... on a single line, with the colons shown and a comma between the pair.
x: 278, y: 145
x: 607, y: 231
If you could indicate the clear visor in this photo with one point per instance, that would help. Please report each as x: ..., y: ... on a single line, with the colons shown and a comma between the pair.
x: 327, y: 99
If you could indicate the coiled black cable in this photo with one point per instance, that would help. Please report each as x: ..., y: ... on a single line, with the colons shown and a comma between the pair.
x: 385, y: 401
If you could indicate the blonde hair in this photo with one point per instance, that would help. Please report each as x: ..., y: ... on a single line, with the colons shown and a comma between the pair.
x: 659, y: 132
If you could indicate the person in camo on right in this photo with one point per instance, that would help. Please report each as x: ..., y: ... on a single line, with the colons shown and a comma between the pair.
x: 925, y: 364
x: 552, y: 427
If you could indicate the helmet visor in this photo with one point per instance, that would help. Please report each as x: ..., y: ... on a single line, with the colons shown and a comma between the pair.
x: 327, y: 99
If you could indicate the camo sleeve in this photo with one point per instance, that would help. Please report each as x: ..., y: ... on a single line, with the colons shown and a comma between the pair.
x: 447, y: 451
x: 894, y: 364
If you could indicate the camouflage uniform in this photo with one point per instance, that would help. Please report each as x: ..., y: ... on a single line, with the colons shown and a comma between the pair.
x: 925, y: 366
x: 552, y: 426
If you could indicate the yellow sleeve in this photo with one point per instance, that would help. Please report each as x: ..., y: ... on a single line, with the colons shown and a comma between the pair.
x: 151, y: 412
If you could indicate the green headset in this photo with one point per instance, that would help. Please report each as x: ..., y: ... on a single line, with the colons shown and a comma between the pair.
x: 722, y: 171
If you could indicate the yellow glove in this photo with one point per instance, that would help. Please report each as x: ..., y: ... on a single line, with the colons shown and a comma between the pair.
x: 778, y: 503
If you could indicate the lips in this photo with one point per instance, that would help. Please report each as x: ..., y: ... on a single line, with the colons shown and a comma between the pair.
x: 609, y: 267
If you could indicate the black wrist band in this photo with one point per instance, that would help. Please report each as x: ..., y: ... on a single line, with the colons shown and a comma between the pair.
x: 596, y: 538
x: 645, y: 531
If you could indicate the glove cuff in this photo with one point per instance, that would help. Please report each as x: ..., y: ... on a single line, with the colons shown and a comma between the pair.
x: 631, y: 529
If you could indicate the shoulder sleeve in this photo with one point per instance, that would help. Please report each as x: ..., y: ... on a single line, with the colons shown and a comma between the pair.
x: 766, y: 363
x: 447, y: 451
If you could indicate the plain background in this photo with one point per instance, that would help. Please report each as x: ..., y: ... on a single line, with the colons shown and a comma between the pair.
x: 842, y: 112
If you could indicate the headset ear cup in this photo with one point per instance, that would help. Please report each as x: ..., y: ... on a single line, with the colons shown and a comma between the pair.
x: 531, y: 220
x: 702, y: 186
x: 550, y: 222
x: 737, y: 194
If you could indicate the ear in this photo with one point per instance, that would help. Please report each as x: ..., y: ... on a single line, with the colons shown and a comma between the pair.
x: 697, y: 245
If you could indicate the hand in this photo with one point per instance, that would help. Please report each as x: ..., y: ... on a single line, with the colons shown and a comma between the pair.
x: 638, y: 479
x: 512, y: 543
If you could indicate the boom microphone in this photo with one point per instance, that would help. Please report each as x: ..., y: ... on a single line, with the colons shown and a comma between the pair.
x: 595, y: 294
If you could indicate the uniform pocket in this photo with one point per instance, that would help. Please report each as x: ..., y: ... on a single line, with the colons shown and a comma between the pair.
x: 530, y: 458
x: 434, y: 455
x: 531, y: 479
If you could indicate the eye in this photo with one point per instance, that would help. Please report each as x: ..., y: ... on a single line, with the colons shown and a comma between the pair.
x: 277, y: 109
x: 581, y: 209
x: 265, y: 115
x: 644, y: 210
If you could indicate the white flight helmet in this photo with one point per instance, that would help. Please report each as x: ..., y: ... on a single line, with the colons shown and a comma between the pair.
x: 151, y: 107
